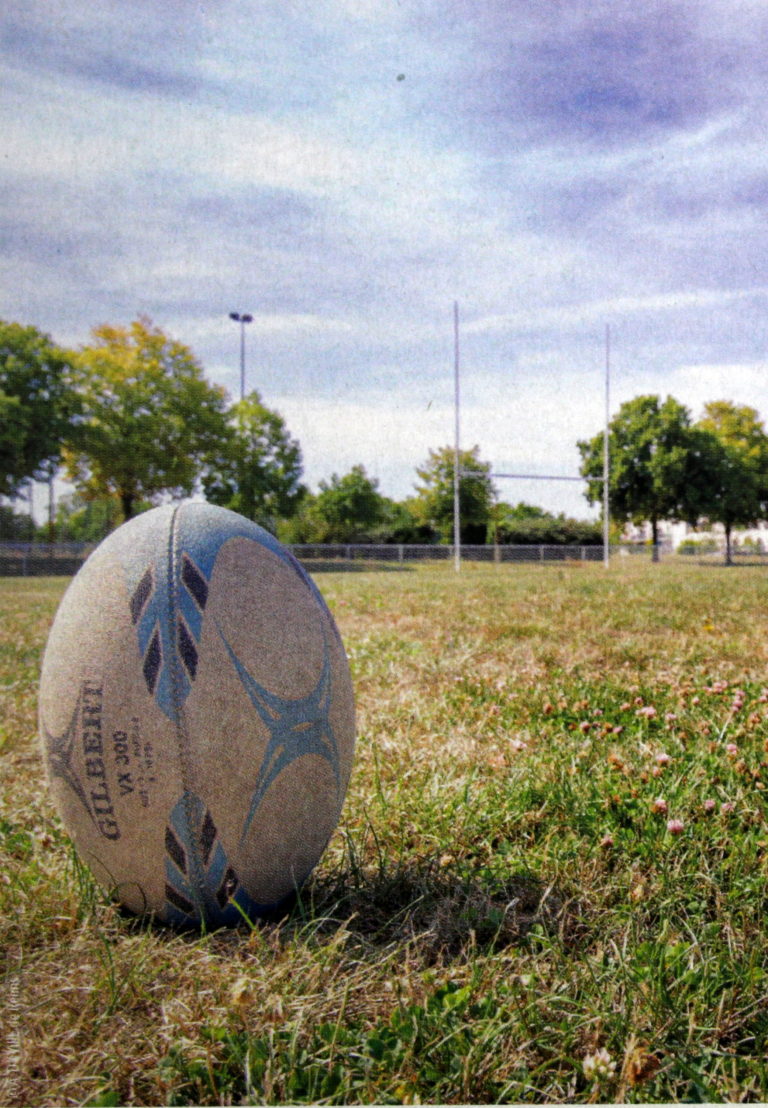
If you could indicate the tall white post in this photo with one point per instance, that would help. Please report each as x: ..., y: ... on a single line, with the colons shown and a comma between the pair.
x: 606, y: 457
x: 456, y: 451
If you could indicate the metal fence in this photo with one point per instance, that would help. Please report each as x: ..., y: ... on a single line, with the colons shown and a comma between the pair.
x: 739, y: 557
x: 312, y: 554
x: 21, y: 559
x: 39, y: 559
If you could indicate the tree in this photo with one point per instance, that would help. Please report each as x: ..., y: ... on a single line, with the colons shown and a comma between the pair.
x: 349, y: 508
x: 150, y: 418
x: 740, y: 494
x: 435, y: 496
x: 401, y: 524
x: 15, y: 526
x: 654, y: 470
x: 81, y: 519
x: 37, y: 405
x: 522, y: 511
x: 258, y: 468
x: 525, y: 523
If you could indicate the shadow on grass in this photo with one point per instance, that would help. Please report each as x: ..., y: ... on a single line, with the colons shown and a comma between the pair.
x: 746, y: 563
x: 437, y: 913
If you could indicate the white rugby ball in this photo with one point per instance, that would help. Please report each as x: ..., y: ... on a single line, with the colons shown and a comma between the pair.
x: 197, y: 717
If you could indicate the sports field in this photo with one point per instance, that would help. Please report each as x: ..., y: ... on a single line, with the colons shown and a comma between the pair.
x: 549, y: 883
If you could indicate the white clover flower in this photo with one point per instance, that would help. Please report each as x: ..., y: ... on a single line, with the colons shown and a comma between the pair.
x: 599, y: 1066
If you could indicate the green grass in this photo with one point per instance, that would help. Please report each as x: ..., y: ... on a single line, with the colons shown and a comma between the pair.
x: 504, y: 913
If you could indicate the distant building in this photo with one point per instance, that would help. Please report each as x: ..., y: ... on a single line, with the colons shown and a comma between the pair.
x: 671, y: 535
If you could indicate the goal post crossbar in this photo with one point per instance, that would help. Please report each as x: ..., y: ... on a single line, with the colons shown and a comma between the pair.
x: 526, y: 476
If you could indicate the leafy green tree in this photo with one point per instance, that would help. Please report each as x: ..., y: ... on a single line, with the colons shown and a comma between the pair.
x: 522, y: 511
x: 526, y: 523
x: 258, y: 466
x: 88, y: 519
x: 37, y: 405
x: 434, y: 500
x: 389, y: 522
x: 739, y: 426
x: 740, y: 490
x: 150, y: 418
x: 401, y: 524
x: 654, y: 470
x: 15, y: 526
x: 349, y: 508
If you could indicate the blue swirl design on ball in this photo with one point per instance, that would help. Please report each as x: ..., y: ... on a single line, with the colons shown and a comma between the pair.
x: 296, y: 728
x: 169, y: 592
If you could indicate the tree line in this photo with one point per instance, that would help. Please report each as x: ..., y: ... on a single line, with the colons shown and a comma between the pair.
x: 130, y: 419
x: 665, y: 466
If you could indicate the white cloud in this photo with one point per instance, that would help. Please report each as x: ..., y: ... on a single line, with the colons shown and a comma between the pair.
x: 606, y: 310
x: 391, y: 200
x: 741, y: 383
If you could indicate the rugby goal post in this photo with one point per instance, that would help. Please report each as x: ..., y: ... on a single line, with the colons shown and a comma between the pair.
x: 458, y: 473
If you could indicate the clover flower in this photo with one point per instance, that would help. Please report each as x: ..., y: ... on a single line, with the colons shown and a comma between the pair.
x: 599, y: 1066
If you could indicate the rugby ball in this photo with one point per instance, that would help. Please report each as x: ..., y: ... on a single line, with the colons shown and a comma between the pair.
x: 197, y: 717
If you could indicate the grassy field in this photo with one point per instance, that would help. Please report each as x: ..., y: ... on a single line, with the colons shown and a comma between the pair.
x: 549, y: 883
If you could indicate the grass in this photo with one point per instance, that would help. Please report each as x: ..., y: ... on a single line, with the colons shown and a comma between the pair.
x: 549, y: 883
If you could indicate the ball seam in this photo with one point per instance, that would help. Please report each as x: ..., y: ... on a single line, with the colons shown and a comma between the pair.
x: 182, y: 734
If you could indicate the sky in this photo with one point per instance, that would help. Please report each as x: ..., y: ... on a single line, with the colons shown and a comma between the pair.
x: 347, y: 170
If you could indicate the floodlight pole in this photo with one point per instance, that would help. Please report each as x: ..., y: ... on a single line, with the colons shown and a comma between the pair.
x: 242, y: 319
x: 456, y: 452
x: 606, y: 458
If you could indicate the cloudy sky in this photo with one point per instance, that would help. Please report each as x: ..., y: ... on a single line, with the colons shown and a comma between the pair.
x: 345, y: 170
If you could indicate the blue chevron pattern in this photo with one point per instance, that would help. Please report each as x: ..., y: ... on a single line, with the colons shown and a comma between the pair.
x: 200, y: 884
x: 169, y: 592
